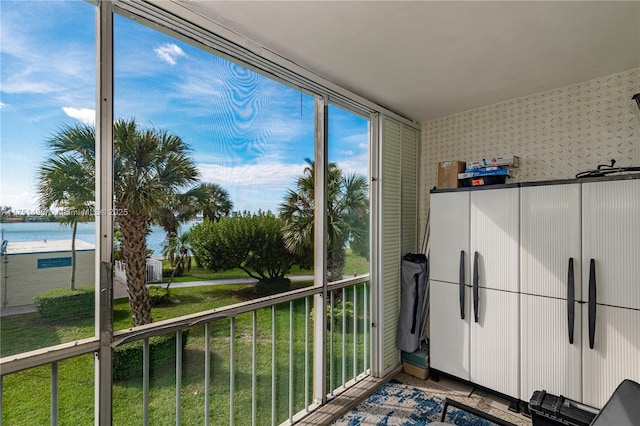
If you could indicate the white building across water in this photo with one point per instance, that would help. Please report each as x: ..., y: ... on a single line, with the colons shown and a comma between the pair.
x: 27, y: 268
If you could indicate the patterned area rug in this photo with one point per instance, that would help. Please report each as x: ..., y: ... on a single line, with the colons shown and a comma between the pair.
x: 402, y: 405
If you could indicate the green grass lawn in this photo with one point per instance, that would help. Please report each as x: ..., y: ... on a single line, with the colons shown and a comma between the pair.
x: 26, y: 394
x: 353, y: 263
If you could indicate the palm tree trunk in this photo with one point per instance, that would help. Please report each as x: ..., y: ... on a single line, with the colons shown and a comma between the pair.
x: 73, y: 256
x: 133, y: 227
x: 335, y: 262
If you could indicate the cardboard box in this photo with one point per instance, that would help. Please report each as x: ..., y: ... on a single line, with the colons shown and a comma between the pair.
x: 416, y: 363
x: 419, y: 372
x: 495, y: 171
x: 448, y: 174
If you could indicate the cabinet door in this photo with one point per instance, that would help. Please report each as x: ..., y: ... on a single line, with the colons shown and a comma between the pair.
x: 449, y: 333
x: 449, y: 233
x: 611, y: 238
x: 495, y: 342
x: 615, y: 356
x: 495, y: 236
x: 550, y: 236
x: 549, y: 361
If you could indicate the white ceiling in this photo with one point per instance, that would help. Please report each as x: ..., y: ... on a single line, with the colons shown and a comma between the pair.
x: 427, y: 59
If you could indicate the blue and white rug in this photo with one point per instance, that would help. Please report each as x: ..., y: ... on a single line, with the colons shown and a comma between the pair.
x: 403, y: 405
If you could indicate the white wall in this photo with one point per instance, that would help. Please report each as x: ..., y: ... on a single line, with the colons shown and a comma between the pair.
x: 556, y: 133
x: 24, y: 280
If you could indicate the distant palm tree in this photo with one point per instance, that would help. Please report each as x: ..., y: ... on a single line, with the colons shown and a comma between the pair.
x: 210, y: 199
x: 63, y: 182
x: 215, y: 203
x: 149, y: 167
x: 347, y: 216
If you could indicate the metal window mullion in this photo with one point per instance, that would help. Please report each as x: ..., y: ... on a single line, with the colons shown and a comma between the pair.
x: 103, y: 393
x: 343, y: 353
x: 254, y: 370
x: 332, y: 329
x: 306, y: 353
x: 207, y: 371
x: 232, y: 371
x: 178, y: 377
x: 273, y: 365
x: 54, y: 393
x: 365, y: 325
x: 291, y: 362
x: 355, y: 331
x: 320, y: 252
x: 145, y: 382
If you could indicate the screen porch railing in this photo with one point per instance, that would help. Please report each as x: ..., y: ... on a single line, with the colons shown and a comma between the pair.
x: 256, y: 365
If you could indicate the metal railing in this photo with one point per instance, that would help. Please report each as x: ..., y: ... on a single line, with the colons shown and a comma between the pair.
x: 275, y: 329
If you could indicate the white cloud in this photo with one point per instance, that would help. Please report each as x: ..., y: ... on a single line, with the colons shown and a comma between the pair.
x: 86, y: 115
x: 169, y: 52
x: 2, y: 105
x: 267, y: 175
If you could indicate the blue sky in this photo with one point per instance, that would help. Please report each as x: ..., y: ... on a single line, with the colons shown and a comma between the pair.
x: 248, y: 133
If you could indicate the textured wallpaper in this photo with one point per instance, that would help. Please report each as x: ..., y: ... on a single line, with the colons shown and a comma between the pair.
x: 556, y: 133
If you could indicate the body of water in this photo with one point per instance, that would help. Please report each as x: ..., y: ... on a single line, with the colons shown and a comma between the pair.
x: 37, y: 231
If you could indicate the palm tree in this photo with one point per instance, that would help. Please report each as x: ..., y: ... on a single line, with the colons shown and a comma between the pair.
x: 209, y: 198
x: 63, y: 182
x: 347, y: 216
x: 215, y: 203
x: 149, y: 167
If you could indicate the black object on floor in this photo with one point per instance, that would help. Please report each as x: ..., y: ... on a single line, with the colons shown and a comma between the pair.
x: 551, y: 410
x: 623, y: 407
x: 493, y: 419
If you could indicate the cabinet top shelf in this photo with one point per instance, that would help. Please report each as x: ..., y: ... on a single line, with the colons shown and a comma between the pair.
x: 628, y: 176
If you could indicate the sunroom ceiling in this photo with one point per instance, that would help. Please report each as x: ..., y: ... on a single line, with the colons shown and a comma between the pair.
x: 428, y: 59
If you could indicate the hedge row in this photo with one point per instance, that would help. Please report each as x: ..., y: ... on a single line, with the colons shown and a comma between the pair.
x: 62, y: 304
x: 127, y: 359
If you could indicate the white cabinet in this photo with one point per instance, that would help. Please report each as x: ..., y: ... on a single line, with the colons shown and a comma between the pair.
x: 565, y: 348
x: 610, y: 287
x: 474, y: 270
x: 556, y: 271
x: 550, y: 296
x: 449, y: 340
x: 449, y: 284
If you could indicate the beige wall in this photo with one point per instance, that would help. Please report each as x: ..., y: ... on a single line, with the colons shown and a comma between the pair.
x: 556, y: 133
x: 24, y: 280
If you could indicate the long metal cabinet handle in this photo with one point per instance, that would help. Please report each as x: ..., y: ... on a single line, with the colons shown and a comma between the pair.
x: 475, y: 287
x: 571, y: 300
x: 592, y: 303
x: 461, y: 284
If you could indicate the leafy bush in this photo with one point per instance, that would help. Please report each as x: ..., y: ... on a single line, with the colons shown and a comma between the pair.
x: 167, y: 271
x: 127, y: 359
x: 251, y: 242
x: 338, y: 313
x: 268, y: 287
x: 158, y: 295
x: 63, y: 304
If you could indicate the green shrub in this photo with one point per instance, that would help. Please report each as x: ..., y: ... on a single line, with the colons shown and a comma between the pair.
x: 127, y: 359
x: 63, y: 304
x: 167, y: 271
x: 273, y: 286
x: 158, y: 295
x: 338, y: 314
